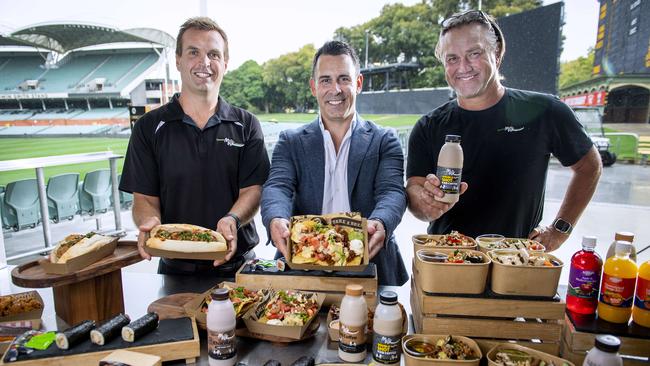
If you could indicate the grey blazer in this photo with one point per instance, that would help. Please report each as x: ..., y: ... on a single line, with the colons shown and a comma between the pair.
x: 375, y: 184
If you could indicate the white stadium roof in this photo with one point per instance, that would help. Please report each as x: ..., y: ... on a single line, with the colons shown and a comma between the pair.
x: 63, y: 37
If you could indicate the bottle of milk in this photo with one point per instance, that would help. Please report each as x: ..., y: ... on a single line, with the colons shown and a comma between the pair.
x: 450, y: 168
x: 221, y: 323
x: 352, y: 329
x: 387, y: 330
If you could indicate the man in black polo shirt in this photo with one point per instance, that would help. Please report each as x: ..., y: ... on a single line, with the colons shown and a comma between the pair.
x: 197, y: 159
x: 508, y: 136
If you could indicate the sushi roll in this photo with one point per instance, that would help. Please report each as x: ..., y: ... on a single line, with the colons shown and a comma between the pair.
x: 74, y: 335
x: 140, y: 327
x: 109, y: 329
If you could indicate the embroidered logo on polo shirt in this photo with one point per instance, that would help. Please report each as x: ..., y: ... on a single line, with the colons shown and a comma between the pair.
x: 510, y: 129
x: 230, y: 142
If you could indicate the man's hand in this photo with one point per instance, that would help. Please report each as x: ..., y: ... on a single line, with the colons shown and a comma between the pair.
x: 279, y: 235
x: 146, y: 226
x: 430, y: 207
x: 550, y: 238
x: 227, y: 226
x: 376, y: 237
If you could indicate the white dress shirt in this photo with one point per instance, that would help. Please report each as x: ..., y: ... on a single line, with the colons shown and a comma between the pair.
x: 335, y: 189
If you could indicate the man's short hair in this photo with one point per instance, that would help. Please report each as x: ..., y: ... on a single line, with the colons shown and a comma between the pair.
x: 336, y: 48
x: 204, y: 24
x: 495, y: 36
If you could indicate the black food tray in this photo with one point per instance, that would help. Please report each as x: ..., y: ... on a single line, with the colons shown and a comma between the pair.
x: 169, y: 330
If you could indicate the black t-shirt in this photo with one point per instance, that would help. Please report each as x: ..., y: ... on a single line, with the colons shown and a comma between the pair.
x: 506, y: 152
x: 197, y: 173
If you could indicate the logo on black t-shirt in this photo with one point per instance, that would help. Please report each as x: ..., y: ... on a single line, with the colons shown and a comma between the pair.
x: 230, y: 142
x: 510, y: 129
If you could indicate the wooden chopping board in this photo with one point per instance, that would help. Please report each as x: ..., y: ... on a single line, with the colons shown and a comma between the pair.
x: 171, y: 307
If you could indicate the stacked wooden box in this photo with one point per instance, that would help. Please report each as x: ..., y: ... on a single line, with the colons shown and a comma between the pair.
x: 490, y: 319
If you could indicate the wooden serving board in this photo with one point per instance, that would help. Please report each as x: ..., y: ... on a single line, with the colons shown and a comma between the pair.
x: 94, y: 292
x: 187, y: 350
x: 172, y: 306
x: 32, y: 274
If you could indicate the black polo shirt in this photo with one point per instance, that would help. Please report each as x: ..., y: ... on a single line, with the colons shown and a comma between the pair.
x: 197, y: 173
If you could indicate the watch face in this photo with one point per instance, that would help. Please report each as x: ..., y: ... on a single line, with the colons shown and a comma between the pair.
x: 562, y: 226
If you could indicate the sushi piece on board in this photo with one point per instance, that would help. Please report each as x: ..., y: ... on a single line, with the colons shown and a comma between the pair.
x: 109, y: 329
x: 140, y: 327
x: 75, y: 334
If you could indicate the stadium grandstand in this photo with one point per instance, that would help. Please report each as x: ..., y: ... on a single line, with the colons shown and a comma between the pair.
x: 78, y: 78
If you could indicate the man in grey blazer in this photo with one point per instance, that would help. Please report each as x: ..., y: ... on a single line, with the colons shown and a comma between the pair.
x: 339, y: 163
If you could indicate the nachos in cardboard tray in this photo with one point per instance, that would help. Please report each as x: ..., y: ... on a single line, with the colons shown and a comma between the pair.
x: 335, y: 240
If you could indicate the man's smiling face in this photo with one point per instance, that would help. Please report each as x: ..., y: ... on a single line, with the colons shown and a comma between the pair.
x: 201, y: 64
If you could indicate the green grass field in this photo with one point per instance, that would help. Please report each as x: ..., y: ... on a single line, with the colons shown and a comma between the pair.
x: 21, y: 148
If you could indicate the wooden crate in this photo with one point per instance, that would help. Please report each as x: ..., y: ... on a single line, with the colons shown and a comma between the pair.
x: 332, y: 287
x: 575, y: 345
x: 534, y: 324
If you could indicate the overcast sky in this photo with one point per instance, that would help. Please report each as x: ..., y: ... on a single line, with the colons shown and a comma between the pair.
x: 258, y: 29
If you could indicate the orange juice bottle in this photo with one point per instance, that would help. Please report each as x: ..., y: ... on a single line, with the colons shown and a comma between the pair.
x: 617, y: 289
x: 641, y: 309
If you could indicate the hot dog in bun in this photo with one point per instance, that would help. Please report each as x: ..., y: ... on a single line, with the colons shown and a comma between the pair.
x: 75, y: 245
x: 186, y: 238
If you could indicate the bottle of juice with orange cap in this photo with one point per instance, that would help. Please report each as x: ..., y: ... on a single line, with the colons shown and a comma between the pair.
x: 617, y: 289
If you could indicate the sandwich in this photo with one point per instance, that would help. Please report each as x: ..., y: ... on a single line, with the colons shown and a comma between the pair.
x: 75, y: 245
x: 186, y: 238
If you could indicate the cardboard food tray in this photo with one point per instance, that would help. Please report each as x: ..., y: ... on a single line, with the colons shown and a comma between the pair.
x: 485, y: 249
x: 25, y: 315
x: 538, y: 354
x: 185, y: 255
x: 193, y: 308
x: 82, y: 261
x: 410, y: 360
x: 353, y: 220
x: 285, y: 331
x: 525, y: 280
x: 420, y: 239
x: 451, y: 278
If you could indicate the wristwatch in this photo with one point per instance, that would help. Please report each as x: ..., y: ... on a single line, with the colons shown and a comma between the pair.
x: 562, y: 226
x: 236, y: 218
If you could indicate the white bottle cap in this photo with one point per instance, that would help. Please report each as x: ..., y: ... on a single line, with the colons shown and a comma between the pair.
x: 589, y: 242
x: 623, y: 248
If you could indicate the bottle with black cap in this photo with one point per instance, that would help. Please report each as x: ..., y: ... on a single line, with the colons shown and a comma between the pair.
x: 221, y: 323
x: 450, y: 168
x: 605, y: 352
x: 387, y: 330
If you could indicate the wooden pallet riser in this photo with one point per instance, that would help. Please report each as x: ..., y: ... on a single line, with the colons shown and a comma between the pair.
x: 489, y: 321
x: 489, y: 328
x: 333, y: 287
x: 576, y: 344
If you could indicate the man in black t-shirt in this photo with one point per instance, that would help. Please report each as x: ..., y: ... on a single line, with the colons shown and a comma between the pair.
x: 197, y: 159
x: 507, y: 138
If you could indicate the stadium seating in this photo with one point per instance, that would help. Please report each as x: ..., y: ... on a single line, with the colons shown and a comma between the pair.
x: 16, y: 69
x: 126, y: 199
x: 21, y: 204
x: 62, y: 196
x: 94, y: 195
x: 70, y: 72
